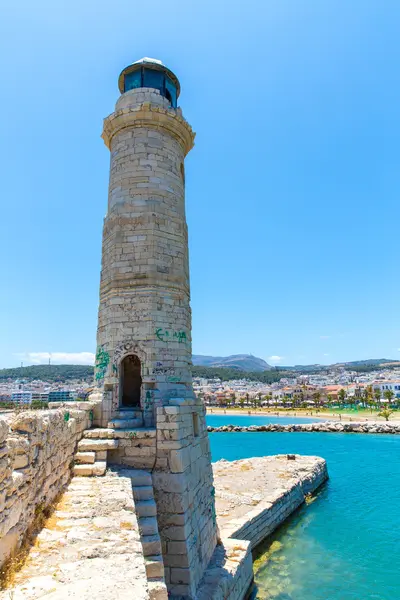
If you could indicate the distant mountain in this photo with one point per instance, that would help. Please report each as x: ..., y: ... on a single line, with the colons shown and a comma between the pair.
x: 241, y: 362
x: 245, y: 365
x: 368, y: 362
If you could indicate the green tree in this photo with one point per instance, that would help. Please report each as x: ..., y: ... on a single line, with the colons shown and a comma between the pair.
x: 342, y: 396
x: 317, y: 399
x: 385, y: 413
x: 377, y: 396
x: 389, y: 395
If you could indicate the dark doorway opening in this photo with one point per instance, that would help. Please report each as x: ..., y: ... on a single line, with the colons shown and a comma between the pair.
x: 131, y: 381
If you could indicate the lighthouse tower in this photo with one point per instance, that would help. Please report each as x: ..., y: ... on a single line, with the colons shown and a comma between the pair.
x: 144, y: 328
x: 143, y: 357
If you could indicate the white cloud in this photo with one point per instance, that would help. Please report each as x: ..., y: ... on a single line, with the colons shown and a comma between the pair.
x: 324, y: 337
x: 57, y: 358
x: 275, y: 358
x: 326, y: 354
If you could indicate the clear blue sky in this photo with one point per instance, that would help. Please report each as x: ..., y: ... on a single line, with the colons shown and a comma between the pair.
x: 292, y: 188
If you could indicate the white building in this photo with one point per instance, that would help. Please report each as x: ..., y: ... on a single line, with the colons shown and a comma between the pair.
x: 385, y: 385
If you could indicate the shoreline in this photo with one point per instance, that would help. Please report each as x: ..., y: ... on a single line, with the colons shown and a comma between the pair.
x: 345, y: 417
x: 316, y: 427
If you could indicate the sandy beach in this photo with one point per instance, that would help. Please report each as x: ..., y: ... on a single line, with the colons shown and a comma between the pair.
x: 323, y: 415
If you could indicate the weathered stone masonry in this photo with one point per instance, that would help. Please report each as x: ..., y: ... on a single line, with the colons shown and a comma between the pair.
x: 37, y: 451
x: 143, y: 358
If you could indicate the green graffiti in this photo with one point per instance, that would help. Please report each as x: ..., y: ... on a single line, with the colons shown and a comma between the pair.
x: 173, y: 379
x: 213, y: 512
x: 148, y: 399
x: 170, y: 336
x: 115, y: 368
x: 66, y: 416
x: 102, y: 360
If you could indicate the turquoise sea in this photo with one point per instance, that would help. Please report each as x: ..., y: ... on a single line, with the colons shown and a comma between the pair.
x: 246, y: 420
x: 345, y: 545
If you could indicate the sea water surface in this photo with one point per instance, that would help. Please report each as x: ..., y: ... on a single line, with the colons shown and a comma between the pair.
x: 345, y: 545
x: 246, y: 420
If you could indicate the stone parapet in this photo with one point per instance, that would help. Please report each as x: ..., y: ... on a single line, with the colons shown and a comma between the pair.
x: 229, y: 574
x: 36, y: 455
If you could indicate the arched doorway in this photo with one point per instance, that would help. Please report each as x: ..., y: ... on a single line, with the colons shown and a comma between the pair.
x: 130, y: 382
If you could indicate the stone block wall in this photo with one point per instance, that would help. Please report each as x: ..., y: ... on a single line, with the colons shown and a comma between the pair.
x: 136, y: 448
x: 259, y: 523
x: 36, y: 454
x: 184, y: 493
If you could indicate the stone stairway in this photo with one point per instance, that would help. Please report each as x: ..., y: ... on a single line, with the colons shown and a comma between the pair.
x: 146, y: 513
x: 96, y: 546
x: 127, y: 419
x: 91, y: 458
x: 134, y: 448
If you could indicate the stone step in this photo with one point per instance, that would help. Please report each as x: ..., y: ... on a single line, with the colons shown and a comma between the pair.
x: 157, y: 590
x: 144, y: 492
x: 85, y: 457
x: 140, y: 478
x: 154, y: 567
x: 86, y: 445
x: 125, y: 423
x: 128, y: 414
x: 146, y: 508
x: 148, y: 525
x: 151, y: 545
x: 95, y: 470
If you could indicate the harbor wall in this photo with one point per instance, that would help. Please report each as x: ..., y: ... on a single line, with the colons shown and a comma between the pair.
x: 278, y: 505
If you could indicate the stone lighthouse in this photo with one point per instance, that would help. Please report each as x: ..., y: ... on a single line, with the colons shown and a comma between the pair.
x: 144, y: 327
x: 143, y: 357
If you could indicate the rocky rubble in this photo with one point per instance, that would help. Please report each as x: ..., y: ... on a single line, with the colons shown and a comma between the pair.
x: 326, y: 426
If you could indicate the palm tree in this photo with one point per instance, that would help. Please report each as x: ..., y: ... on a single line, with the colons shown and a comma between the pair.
x: 389, y: 395
x: 386, y: 412
x: 377, y: 395
x: 317, y: 398
x: 342, y: 396
x: 241, y: 402
x: 233, y: 398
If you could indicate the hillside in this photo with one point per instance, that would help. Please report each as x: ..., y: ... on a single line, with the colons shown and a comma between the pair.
x: 242, y: 362
x: 241, y: 366
x: 49, y: 372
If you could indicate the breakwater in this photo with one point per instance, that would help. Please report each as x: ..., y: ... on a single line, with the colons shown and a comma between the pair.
x: 255, y: 496
x: 326, y: 426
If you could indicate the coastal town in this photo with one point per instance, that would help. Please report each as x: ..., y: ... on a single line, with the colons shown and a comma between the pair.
x: 333, y: 386
x: 336, y: 387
